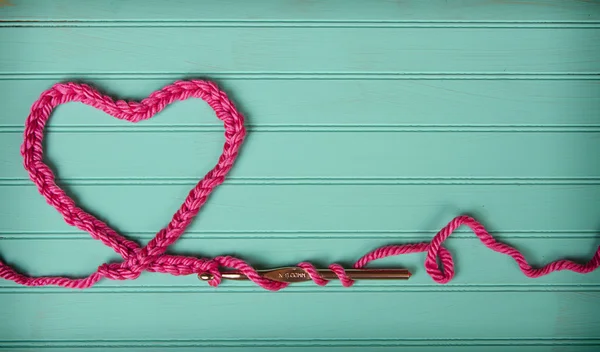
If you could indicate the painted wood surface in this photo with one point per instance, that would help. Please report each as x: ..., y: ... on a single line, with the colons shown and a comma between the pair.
x: 369, y: 123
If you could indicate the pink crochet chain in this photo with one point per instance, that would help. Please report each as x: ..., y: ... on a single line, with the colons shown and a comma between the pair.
x: 152, y: 257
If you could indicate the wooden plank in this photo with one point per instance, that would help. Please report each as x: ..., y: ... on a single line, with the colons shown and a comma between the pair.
x: 289, y: 10
x: 298, y: 208
x: 325, y: 316
x: 357, y: 103
x: 418, y: 156
x: 478, y: 268
x: 292, y: 50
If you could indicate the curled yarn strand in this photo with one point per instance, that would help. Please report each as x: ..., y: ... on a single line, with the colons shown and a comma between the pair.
x: 152, y: 257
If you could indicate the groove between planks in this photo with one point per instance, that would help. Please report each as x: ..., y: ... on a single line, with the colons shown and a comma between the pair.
x: 330, y: 181
x: 406, y: 235
x: 304, y: 75
x: 202, y: 288
x: 309, y: 342
x: 303, y: 342
x: 316, y: 128
x: 25, y: 23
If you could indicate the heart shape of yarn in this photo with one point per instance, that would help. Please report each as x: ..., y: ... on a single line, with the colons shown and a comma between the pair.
x: 149, y: 257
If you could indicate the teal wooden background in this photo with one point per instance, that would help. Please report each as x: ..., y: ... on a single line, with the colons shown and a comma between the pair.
x: 369, y: 123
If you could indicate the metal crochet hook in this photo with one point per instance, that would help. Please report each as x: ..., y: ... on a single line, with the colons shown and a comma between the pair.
x: 296, y: 274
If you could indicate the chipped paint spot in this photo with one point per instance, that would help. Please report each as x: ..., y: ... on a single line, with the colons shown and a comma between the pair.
x: 4, y: 3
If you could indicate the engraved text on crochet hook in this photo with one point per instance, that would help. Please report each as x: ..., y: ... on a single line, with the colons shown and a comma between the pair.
x: 289, y: 274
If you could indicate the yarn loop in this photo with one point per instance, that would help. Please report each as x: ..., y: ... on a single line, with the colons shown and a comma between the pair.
x: 152, y: 257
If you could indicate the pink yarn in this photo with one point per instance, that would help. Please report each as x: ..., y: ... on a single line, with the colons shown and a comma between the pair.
x: 152, y: 257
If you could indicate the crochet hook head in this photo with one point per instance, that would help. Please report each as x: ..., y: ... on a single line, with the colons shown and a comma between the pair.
x: 296, y: 274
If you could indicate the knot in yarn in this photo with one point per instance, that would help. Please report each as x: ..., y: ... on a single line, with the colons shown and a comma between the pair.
x: 152, y: 257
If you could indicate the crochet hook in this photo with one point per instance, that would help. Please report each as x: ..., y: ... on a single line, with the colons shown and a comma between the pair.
x: 296, y: 274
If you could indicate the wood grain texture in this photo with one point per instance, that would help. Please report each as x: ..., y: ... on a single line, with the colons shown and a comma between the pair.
x: 369, y: 123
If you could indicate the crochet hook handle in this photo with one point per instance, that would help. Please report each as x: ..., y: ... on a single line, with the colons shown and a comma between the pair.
x: 296, y: 274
